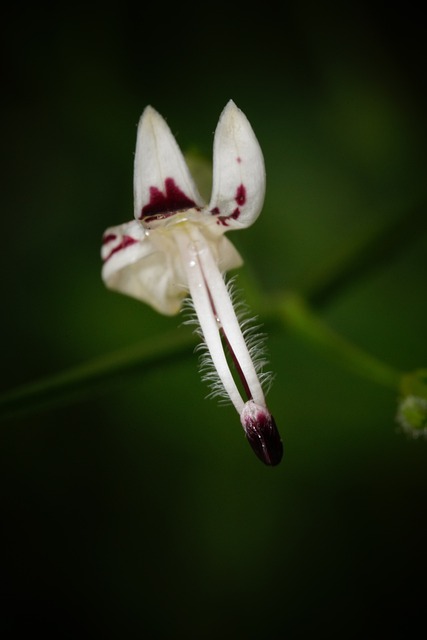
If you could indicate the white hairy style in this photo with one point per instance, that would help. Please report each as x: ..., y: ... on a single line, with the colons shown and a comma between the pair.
x: 254, y: 339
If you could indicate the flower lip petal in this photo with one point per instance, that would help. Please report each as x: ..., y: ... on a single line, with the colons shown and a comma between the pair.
x: 141, y: 265
x: 122, y: 246
x: 117, y: 239
x: 162, y: 180
x: 239, y: 174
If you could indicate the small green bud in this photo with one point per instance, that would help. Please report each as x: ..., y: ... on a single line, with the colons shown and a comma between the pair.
x: 412, y: 410
x: 412, y: 416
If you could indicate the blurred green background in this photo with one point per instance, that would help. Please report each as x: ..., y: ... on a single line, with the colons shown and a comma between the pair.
x: 143, y: 509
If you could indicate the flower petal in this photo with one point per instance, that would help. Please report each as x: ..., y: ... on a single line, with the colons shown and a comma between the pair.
x: 143, y: 265
x: 239, y: 175
x: 162, y: 180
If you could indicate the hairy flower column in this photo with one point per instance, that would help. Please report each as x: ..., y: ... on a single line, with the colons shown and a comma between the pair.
x: 177, y: 246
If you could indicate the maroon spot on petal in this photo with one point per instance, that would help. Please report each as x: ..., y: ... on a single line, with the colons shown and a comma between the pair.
x: 215, y: 211
x: 108, y: 238
x: 223, y: 219
x: 173, y: 199
x: 239, y: 159
x: 127, y: 241
x: 240, y: 196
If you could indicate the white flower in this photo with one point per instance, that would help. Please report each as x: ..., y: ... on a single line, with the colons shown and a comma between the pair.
x: 176, y: 245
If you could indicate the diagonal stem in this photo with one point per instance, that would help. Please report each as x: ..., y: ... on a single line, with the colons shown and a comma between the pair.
x: 94, y: 375
x: 296, y: 315
x: 283, y: 311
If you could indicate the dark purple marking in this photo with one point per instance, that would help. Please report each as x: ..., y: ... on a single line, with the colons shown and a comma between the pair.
x: 127, y: 241
x: 263, y: 436
x: 165, y: 203
x: 108, y: 238
x: 223, y: 219
x: 240, y: 196
x: 239, y: 159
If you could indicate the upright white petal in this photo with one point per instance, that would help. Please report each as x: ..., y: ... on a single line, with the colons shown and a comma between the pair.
x: 162, y: 180
x: 239, y: 174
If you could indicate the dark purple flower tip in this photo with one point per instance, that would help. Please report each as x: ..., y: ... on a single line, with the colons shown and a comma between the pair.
x: 262, y: 433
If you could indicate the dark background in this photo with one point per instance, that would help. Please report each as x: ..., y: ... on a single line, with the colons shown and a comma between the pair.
x: 143, y: 510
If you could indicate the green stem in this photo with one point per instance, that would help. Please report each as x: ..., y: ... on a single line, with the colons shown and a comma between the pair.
x: 288, y: 310
x: 297, y: 316
x: 95, y: 374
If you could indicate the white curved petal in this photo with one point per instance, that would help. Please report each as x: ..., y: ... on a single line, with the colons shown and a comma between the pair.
x: 227, y: 255
x: 143, y: 266
x: 162, y: 180
x: 239, y: 174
